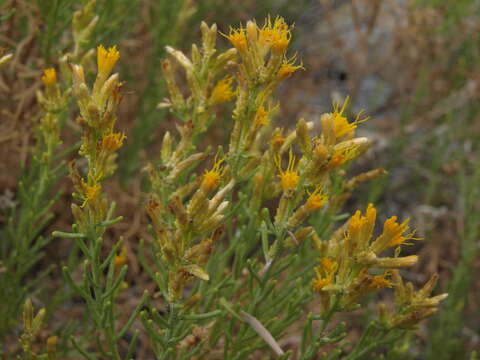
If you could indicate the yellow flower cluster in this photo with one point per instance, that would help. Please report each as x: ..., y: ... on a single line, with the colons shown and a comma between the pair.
x: 97, y: 120
x: 254, y: 43
x: 352, y: 264
x: 276, y: 35
x: 194, y: 219
x: 344, y: 274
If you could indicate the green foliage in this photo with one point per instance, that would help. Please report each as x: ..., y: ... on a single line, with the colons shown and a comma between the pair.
x: 22, y: 246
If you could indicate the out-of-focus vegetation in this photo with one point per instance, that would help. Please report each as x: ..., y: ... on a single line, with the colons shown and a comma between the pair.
x: 412, y: 65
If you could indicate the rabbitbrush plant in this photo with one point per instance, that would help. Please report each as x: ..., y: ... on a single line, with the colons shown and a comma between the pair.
x: 249, y: 240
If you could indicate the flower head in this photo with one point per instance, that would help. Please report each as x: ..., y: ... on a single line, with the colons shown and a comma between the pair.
x: 121, y: 259
x: 222, y: 92
x: 324, y: 273
x: 360, y: 229
x: 261, y: 117
x: 112, y: 142
x: 396, y: 232
x: 90, y: 193
x: 106, y: 60
x: 276, y: 35
x: 288, y: 68
x: 343, y: 155
x: 277, y: 139
x: 49, y: 77
x: 289, y: 178
x: 379, y: 282
x: 211, y: 178
x: 316, y: 200
x: 238, y: 39
x: 358, y: 222
x: 341, y: 126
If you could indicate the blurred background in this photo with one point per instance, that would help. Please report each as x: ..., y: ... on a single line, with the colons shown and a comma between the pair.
x: 413, y: 66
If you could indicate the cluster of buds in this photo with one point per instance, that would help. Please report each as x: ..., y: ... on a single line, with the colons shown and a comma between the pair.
x: 410, y: 306
x: 305, y: 184
x: 209, y: 87
x: 188, y: 226
x: 188, y: 219
x: 351, y: 266
x: 336, y: 146
x: 99, y: 141
x: 32, y: 326
x: 84, y: 23
x: 263, y: 51
x: 207, y: 82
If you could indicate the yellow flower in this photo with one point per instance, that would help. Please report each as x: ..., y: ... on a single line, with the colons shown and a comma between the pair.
x: 121, y: 259
x: 222, y: 92
x: 316, y: 200
x: 238, y: 39
x: 277, y: 140
x: 357, y: 221
x: 211, y: 178
x: 379, y: 282
x: 288, y: 68
x: 289, y: 178
x: 360, y: 228
x: 49, y: 77
x: 341, y: 126
x: 342, y: 156
x: 106, y: 60
x: 261, y: 117
x: 276, y: 35
x: 112, y: 142
x: 324, y: 273
x: 90, y: 193
x: 395, y: 231
x: 394, y: 234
